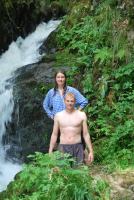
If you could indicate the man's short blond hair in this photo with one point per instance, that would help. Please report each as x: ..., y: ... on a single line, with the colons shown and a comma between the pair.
x: 70, y: 94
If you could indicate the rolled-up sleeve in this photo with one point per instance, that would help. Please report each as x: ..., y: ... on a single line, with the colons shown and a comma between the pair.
x: 81, y: 101
x: 47, y: 105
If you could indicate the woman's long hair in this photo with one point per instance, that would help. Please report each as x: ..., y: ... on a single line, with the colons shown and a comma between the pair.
x: 56, y: 85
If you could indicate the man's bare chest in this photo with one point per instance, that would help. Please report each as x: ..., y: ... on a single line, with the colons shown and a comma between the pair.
x: 70, y: 121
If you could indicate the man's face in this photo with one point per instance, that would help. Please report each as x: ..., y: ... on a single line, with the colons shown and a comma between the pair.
x: 69, y: 102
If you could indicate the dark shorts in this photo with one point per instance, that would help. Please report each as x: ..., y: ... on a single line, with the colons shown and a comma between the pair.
x: 75, y: 150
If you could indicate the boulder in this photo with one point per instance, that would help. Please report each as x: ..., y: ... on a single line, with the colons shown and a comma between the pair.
x: 30, y: 129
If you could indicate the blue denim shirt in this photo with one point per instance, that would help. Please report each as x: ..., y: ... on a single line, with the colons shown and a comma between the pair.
x: 54, y: 102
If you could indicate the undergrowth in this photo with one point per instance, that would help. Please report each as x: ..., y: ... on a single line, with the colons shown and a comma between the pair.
x: 50, y: 177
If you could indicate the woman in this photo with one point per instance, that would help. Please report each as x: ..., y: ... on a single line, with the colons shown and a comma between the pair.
x: 54, y: 100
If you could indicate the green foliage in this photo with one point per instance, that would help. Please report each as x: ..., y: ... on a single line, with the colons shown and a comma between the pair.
x: 105, y: 55
x: 87, y: 83
x: 125, y: 71
x: 77, y: 11
x: 51, y: 178
x: 43, y: 88
x: 65, y: 58
x: 100, y: 189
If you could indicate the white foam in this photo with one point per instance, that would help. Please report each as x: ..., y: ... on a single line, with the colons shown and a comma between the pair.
x: 20, y: 52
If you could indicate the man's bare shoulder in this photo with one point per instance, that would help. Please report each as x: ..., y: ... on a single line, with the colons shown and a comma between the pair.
x: 59, y: 114
x: 82, y: 114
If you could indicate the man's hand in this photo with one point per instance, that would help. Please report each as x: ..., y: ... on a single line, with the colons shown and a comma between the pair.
x: 50, y: 151
x: 90, y: 157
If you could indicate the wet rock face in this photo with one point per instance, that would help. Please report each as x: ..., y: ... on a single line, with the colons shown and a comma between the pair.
x: 22, y: 19
x: 30, y: 129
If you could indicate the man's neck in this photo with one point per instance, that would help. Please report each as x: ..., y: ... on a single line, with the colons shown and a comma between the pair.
x: 70, y: 111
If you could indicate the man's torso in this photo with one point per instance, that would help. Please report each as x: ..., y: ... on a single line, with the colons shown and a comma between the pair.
x: 70, y: 126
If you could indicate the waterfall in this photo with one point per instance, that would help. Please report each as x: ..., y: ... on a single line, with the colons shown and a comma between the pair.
x: 20, y: 53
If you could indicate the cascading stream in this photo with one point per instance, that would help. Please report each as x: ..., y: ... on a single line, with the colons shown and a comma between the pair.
x: 20, y: 53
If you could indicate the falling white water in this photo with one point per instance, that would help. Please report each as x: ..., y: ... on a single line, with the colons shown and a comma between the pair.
x: 20, y: 53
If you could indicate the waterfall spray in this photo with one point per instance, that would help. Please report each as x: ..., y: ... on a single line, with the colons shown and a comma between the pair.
x: 20, y: 53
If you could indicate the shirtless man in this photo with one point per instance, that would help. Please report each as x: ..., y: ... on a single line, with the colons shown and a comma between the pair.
x: 71, y: 123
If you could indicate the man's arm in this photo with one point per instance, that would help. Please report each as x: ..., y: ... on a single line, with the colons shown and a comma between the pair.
x: 54, y: 134
x: 87, y: 138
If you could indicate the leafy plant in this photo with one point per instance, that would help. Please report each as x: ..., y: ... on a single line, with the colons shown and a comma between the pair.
x: 51, y: 177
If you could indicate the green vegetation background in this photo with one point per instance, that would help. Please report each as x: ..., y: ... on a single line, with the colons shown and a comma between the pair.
x: 97, y: 42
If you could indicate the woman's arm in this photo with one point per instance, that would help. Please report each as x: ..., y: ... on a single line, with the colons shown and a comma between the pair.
x: 47, y: 104
x: 81, y: 101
